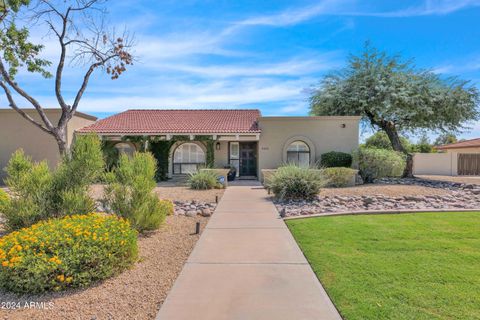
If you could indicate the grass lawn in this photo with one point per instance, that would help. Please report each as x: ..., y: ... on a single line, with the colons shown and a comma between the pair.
x: 405, y: 266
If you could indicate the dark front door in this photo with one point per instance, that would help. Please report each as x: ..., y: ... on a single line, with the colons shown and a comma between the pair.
x: 248, y: 158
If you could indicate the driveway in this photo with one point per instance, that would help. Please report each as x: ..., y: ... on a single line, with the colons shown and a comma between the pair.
x: 247, y: 265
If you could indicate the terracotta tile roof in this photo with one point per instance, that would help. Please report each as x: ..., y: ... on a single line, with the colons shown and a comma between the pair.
x: 178, y: 121
x: 473, y: 143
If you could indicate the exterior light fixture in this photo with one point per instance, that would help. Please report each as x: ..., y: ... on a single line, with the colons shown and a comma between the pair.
x: 343, y: 125
x: 217, y: 146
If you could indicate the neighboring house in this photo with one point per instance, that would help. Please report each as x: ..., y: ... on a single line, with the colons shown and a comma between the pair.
x: 16, y: 132
x: 460, y: 158
x: 240, y: 138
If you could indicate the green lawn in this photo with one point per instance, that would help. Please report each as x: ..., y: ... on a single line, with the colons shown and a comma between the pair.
x: 405, y: 266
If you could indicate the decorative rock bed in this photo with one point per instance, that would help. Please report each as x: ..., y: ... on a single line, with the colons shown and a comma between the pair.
x: 194, y: 208
x: 462, y: 196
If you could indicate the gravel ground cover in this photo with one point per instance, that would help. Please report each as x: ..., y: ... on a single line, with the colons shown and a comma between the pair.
x: 459, y: 179
x: 174, y: 193
x: 135, y: 294
x: 388, y: 194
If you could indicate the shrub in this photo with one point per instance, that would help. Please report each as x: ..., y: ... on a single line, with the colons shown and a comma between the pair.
x: 4, y: 200
x: 379, y: 163
x: 129, y: 192
x: 294, y: 183
x: 65, y: 253
x: 80, y: 168
x: 336, y: 159
x: 30, y: 184
x: 204, y: 180
x: 40, y: 194
x: 339, y: 177
x: 168, y: 207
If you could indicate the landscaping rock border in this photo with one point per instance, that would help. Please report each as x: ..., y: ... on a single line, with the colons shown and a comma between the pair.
x: 194, y: 208
x: 462, y: 196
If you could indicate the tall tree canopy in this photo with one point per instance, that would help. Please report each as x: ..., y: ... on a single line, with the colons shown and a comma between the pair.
x: 445, y: 138
x: 81, y: 37
x: 393, y: 95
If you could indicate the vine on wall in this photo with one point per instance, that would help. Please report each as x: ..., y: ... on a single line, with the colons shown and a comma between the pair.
x: 161, y: 151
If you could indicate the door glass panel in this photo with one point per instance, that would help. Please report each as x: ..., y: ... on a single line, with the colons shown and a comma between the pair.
x: 234, y: 150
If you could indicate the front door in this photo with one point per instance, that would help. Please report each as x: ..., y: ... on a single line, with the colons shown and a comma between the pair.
x: 248, y: 158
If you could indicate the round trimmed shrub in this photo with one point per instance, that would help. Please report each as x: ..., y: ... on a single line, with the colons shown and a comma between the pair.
x: 339, y: 177
x: 203, y: 180
x: 376, y: 163
x: 294, y: 183
x: 336, y: 159
x: 65, y: 253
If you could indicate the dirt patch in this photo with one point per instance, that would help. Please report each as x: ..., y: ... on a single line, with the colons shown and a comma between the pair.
x: 382, y: 189
x: 174, y: 193
x: 135, y: 294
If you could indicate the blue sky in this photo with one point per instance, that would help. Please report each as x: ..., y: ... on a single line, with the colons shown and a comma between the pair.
x: 266, y: 54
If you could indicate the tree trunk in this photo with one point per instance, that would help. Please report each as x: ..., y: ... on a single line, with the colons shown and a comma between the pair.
x: 394, y: 138
x: 61, y: 139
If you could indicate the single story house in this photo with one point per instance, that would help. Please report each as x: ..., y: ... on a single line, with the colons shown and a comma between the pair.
x: 17, y: 132
x: 242, y: 138
x: 454, y: 159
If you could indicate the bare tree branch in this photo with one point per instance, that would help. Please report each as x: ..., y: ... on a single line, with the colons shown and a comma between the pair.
x: 29, y: 98
x: 14, y: 106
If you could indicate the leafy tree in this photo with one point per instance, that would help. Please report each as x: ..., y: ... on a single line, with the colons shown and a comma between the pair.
x: 394, y: 96
x: 81, y: 37
x: 380, y: 140
x: 445, y: 138
x: 423, y: 145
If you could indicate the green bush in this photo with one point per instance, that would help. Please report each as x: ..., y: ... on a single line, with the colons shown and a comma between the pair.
x: 294, y: 183
x: 168, y: 207
x: 379, y: 163
x: 339, y: 177
x: 129, y: 192
x: 336, y: 159
x: 66, y: 253
x: 80, y: 168
x: 203, y: 180
x: 30, y: 184
x: 4, y: 200
x: 40, y: 193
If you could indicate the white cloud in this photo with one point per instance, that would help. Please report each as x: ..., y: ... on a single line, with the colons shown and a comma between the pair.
x: 295, y: 15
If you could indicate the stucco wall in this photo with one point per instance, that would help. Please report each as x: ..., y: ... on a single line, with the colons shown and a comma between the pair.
x: 322, y: 134
x: 444, y: 164
x: 221, y: 156
x: 16, y: 132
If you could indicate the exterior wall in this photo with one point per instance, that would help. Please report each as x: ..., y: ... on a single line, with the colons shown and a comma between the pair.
x: 445, y: 163
x: 16, y: 132
x: 322, y: 134
x: 221, y: 156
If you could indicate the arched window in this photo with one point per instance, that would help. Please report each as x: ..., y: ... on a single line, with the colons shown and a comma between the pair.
x: 298, y: 153
x: 187, y: 158
x: 125, y: 148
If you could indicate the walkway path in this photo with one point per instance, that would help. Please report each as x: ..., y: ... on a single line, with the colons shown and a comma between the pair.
x: 247, y: 266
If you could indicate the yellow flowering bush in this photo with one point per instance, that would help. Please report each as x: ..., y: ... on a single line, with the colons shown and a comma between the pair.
x: 167, y: 207
x: 64, y: 253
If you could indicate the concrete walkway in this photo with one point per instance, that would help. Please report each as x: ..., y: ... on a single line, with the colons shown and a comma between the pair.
x: 247, y: 266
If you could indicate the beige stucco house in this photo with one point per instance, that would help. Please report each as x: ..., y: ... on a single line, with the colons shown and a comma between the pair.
x: 242, y: 138
x: 16, y: 132
x: 460, y: 158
